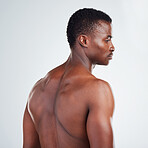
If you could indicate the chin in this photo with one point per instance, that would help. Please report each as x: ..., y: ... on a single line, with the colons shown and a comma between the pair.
x: 103, y: 63
x: 106, y: 63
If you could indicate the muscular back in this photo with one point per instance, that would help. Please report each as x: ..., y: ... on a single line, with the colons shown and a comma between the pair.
x: 56, y: 114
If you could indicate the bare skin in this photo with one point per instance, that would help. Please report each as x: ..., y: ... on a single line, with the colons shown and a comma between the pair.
x: 69, y: 107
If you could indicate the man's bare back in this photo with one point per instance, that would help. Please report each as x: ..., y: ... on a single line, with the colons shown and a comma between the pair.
x: 69, y: 107
x: 59, y: 107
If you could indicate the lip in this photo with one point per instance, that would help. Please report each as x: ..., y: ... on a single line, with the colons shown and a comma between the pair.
x: 110, y: 56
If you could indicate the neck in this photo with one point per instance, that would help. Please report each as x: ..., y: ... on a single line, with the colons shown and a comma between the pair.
x: 78, y: 57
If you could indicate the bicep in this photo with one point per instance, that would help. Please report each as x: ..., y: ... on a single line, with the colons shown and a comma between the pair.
x: 99, y: 130
x: 30, y: 136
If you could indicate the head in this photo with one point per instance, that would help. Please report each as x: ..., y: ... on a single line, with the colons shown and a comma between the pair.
x: 89, y: 28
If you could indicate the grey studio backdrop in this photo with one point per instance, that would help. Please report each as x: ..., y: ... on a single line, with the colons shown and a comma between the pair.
x: 33, y: 41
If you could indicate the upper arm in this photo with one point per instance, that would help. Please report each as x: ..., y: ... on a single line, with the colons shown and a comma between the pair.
x: 30, y: 136
x: 99, y: 128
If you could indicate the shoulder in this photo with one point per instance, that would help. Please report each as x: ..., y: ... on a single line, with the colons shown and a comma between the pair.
x: 101, y: 96
x: 35, y: 93
x: 44, y: 85
x: 98, y: 86
x: 103, y: 87
x: 37, y: 87
x: 40, y: 85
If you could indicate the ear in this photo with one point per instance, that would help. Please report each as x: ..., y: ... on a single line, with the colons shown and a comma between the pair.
x: 83, y: 40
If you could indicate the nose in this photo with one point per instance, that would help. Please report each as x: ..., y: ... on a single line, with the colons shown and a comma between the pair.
x: 112, y: 48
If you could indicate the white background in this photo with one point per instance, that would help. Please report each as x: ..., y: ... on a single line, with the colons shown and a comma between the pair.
x: 33, y: 41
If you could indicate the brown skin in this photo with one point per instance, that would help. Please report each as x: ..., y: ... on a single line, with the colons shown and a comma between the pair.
x: 69, y: 107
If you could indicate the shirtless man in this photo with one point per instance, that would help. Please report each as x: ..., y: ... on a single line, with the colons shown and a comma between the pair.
x: 69, y: 107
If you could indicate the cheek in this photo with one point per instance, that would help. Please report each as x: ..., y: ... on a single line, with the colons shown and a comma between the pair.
x: 101, y: 48
x: 97, y: 55
x: 97, y: 51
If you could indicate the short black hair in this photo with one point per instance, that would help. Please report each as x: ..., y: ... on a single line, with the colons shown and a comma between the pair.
x: 83, y: 22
